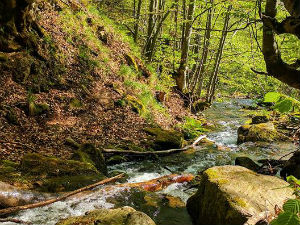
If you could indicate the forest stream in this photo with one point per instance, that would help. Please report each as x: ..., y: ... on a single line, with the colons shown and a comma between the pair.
x: 157, y: 205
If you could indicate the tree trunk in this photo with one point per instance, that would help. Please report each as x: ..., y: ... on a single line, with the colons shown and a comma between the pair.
x: 137, y: 20
x: 276, y: 67
x: 181, y: 74
x: 202, y: 66
x: 213, y: 79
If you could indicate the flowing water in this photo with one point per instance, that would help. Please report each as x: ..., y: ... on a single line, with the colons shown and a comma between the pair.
x: 227, y: 116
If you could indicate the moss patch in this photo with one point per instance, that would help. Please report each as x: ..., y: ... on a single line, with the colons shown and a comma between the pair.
x: 88, y: 153
x: 164, y: 139
x: 121, y: 216
x: 259, y: 132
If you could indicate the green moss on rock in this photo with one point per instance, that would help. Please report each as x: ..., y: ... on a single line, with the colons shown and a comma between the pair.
x: 38, y: 165
x: 259, y: 132
x: 164, y: 139
x: 88, y: 153
x: 244, y: 193
x: 136, y: 105
x: 69, y: 183
x: 120, y: 216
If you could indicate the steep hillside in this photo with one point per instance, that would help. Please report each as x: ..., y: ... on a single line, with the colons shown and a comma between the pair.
x: 78, y: 76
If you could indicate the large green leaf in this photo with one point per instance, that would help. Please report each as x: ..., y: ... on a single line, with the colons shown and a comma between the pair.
x: 284, y: 106
x: 286, y: 218
x: 292, y: 205
x: 272, y: 97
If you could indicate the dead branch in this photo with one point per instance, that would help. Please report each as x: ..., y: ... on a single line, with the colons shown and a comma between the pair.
x: 63, y: 197
x: 148, y: 153
x: 13, y: 221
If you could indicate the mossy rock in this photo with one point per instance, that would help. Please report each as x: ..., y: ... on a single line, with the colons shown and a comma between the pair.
x: 136, y: 105
x: 3, y: 57
x: 88, y: 153
x: 247, y: 163
x: 12, y: 116
x: 227, y: 195
x: 116, y: 159
x: 199, y: 106
x: 164, y: 139
x: 34, y: 164
x: 292, y: 166
x: 259, y: 132
x: 37, y: 109
x: 69, y: 183
x: 131, y: 61
x: 11, y: 174
x: 121, y: 216
x: 259, y: 119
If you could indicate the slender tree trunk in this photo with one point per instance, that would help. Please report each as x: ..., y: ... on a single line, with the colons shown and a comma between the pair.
x: 150, y: 27
x: 202, y: 66
x: 213, y: 80
x: 181, y: 74
x: 137, y: 20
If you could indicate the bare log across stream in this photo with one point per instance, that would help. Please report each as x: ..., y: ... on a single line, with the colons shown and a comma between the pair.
x: 160, y: 183
x: 63, y: 197
x: 153, y: 153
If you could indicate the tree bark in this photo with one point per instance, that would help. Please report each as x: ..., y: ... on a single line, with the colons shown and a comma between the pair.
x: 276, y: 67
x: 213, y: 79
x: 137, y: 20
x: 181, y: 74
x: 202, y: 65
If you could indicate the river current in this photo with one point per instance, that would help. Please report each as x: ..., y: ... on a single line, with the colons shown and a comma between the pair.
x: 227, y: 115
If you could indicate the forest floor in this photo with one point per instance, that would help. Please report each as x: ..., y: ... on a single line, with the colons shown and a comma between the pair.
x: 82, y: 104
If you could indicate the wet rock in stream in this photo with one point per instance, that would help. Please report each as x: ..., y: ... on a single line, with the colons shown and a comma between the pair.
x: 234, y: 195
x: 121, y: 216
x: 259, y: 132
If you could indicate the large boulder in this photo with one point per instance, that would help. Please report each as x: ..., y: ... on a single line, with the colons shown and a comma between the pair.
x: 259, y: 132
x: 121, y: 216
x: 49, y: 174
x: 234, y: 195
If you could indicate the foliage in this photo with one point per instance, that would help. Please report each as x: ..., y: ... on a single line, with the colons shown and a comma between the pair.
x: 291, y: 209
x: 242, y: 48
x: 283, y: 103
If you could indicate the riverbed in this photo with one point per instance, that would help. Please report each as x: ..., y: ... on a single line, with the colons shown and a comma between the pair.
x: 228, y: 116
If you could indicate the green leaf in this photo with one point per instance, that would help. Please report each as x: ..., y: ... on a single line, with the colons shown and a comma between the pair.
x: 292, y: 205
x: 293, y: 180
x: 286, y: 218
x: 272, y: 97
x: 284, y: 106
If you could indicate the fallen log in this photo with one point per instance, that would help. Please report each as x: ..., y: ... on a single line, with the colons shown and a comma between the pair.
x: 63, y: 197
x: 160, y: 183
x: 153, y: 153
